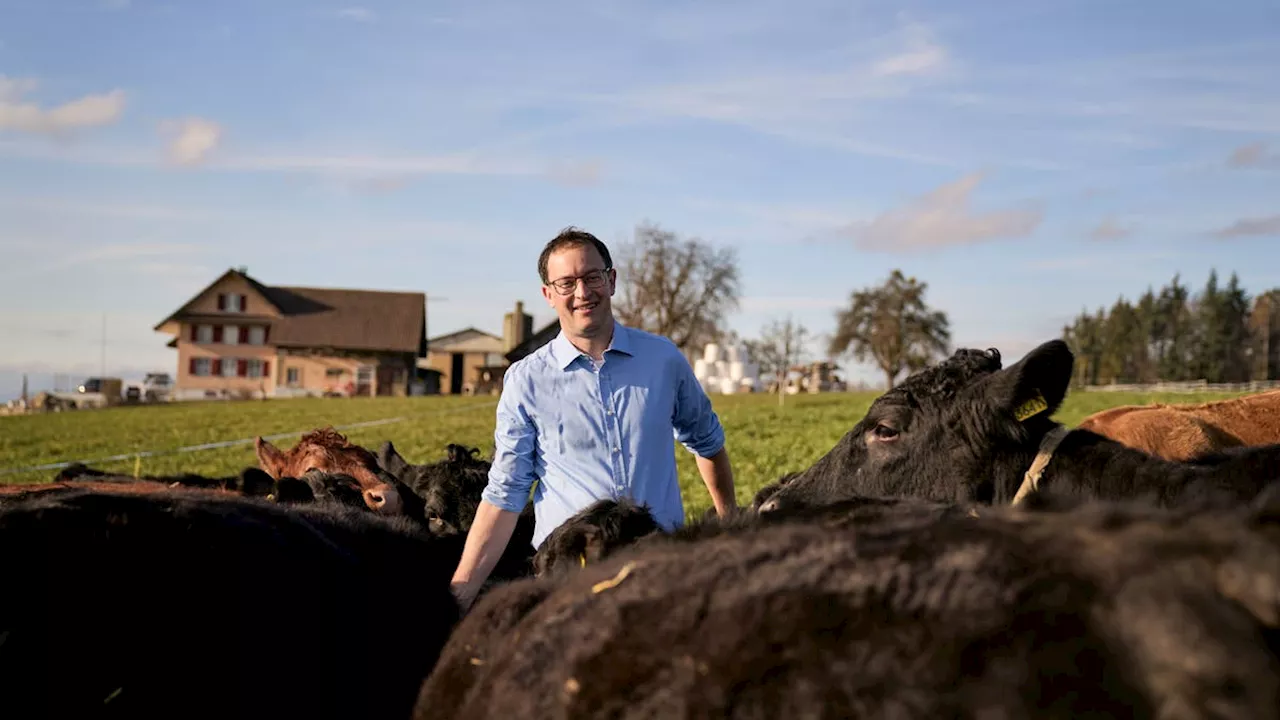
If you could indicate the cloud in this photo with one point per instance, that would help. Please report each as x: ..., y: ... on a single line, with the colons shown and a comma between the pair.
x: 359, y: 14
x: 399, y: 165
x: 123, y: 210
x: 942, y: 218
x: 125, y: 252
x: 1251, y: 227
x: 921, y: 55
x: 577, y: 174
x: 377, y: 169
x: 1253, y: 155
x: 191, y: 139
x: 85, y: 112
x: 1109, y: 229
x: 798, y: 103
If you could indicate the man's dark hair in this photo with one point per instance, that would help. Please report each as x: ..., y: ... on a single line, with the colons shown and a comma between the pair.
x: 571, y: 237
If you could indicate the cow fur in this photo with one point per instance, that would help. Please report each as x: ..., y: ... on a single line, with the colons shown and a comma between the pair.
x: 1097, y: 610
x: 181, y: 605
x: 1184, y: 431
x: 592, y: 534
x: 450, y: 492
x: 250, y: 481
x: 949, y: 433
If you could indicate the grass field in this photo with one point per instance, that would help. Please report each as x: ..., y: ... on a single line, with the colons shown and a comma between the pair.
x: 765, y: 441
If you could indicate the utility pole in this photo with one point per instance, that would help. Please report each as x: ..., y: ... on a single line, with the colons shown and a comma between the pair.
x: 103, y: 359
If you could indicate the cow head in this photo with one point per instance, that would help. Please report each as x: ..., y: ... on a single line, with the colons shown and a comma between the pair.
x: 450, y: 489
x: 592, y: 534
x: 962, y: 431
x: 328, y: 451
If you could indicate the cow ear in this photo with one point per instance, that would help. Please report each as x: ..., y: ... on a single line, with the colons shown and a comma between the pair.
x: 1035, y: 385
x: 255, y: 483
x: 269, y: 457
x: 391, y: 461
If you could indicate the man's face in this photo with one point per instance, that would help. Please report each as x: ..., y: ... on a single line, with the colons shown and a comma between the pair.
x: 579, y: 289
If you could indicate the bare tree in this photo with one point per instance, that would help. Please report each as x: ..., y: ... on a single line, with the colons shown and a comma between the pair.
x: 681, y: 289
x: 781, y: 346
x: 892, y: 324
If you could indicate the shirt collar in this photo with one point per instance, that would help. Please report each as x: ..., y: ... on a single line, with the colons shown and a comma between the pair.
x: 564, y: 353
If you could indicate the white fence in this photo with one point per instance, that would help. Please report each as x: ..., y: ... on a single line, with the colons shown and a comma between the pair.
x: 1192, y: 386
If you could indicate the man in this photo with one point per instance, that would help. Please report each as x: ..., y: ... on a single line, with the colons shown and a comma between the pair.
x: 590, y: 416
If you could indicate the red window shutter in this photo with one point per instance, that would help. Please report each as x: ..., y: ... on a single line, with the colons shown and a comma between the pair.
x: 194, y: 330
x: 222, y: 301
x: 217, y: 366
x: 242, y: 368
x: 244, y: 334
x: 266, y: 334
x: 192, y: 368
x: 217, y: 333
x: 244, y: 303
x: 266, y: 368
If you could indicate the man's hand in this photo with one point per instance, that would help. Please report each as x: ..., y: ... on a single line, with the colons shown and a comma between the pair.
x: 490, y: 531
x: 464, y: 594
x: 717, y: 475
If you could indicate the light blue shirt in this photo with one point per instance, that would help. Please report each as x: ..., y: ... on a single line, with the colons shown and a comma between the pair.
x: 588, y: 433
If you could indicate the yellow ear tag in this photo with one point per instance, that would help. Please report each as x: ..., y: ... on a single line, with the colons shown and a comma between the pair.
x: 1035, y: 405
x: 582, y: 560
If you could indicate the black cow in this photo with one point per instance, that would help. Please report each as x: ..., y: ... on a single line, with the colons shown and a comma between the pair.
x: 593, y: 534
x: 450, y: 491
x: 1102, y: 610
x: 183, y: 605
x: 251, y: 481
x: 450, y: 488
x: 968, y: 431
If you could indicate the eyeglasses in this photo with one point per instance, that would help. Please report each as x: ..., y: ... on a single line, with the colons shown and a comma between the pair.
x: 592, y: 280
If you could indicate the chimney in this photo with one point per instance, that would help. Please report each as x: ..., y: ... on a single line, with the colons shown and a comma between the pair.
x: 517, y: 326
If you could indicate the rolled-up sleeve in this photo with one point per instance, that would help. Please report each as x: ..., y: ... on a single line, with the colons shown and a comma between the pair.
x: 695, y: 423
x: 511, y: 474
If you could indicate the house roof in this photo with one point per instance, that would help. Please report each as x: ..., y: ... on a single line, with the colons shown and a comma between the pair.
x: 369, y: 320
x: 457, y: 334
x: 534, y: 341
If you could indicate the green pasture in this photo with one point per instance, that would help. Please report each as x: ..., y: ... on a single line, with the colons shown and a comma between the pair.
x: 765, y: 440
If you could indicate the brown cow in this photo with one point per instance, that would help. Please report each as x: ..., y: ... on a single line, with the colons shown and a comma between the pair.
x: 329, y: 451
x: 1184, y: 431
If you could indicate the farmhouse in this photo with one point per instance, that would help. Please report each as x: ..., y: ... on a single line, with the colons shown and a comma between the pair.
x: 240, y: 338
x: 471, y: 361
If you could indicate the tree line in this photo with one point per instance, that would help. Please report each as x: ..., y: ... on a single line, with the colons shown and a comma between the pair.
x: 1220, y: 335
x: 684, y: 289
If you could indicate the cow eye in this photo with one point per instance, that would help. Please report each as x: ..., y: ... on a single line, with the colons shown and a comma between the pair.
x: 885, y: 432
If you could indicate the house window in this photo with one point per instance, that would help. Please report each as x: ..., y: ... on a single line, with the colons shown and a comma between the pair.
x: 257, y: 335
x: 229, y: 367
x: 254, y: 368
x: 293, y: 376
x: 231, y: 334
x: 231, y: 302
x: 204, y: 334
x: 200, y: 366
x: 493, y: 359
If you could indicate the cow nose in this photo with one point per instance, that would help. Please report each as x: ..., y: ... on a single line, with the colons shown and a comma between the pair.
x: 375, y: 499
x: 384, y: 499
x: 770, y: 505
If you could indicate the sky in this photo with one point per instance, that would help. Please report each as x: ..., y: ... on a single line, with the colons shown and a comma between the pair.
x: 1027, y: 159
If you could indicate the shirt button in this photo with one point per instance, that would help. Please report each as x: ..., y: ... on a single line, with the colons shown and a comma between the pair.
x: 615, y: 448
